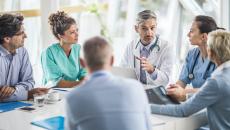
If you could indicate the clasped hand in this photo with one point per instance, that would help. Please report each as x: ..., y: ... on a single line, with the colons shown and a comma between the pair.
x: 6, y: 91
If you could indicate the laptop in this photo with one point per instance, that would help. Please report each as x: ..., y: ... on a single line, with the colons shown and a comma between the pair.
x: 124, y: 72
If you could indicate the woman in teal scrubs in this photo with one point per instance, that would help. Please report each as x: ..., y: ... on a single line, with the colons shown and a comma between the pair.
x: 61, y: 62
x: 197, y: 67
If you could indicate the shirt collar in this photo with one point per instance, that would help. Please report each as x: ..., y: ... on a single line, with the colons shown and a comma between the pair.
x: 5, y: 52
x: 221, y: 67
x: 100, y: 73
x: 149, y: 45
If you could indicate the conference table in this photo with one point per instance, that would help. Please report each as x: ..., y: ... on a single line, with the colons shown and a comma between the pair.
x: 21, y: 120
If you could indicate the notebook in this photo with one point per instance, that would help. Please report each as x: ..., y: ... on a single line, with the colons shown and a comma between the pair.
x: 9, y: 106
x: 124, y: 72
x: 53, y: 123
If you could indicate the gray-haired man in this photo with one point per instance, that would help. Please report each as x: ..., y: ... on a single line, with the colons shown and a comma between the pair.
x: 149, y: 55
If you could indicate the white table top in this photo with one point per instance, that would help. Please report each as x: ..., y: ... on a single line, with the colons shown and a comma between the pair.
x: 20, y: 120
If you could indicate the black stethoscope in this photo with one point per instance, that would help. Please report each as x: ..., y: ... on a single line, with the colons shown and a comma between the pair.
x: 155, y: 45
x: 191, y: 74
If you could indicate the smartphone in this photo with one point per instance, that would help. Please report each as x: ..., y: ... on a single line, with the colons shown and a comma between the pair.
x: 28, y: 109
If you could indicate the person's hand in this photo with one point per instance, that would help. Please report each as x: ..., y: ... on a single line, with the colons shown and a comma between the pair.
x: 146, y: 65
x: 37, y: 91
x: 177, y: 92
x: 6, y: 91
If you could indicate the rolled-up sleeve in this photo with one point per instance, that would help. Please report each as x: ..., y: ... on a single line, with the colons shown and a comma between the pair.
x: 82, y: 73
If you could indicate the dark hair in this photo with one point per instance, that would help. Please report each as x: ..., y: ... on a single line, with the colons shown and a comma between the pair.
x: 96, y: 52
x: 206, y: 24
x: 10, y: 24
x: 60, y: 22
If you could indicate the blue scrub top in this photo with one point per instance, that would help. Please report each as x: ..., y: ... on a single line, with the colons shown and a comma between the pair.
x: 201, y: 70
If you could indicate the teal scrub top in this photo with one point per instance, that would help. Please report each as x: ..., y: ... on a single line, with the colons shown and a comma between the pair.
x: 57, y: 66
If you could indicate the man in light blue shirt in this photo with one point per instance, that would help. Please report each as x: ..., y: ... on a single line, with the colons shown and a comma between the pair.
x: 215, y: 92
x: 106, y: 102
x: 16, y: 82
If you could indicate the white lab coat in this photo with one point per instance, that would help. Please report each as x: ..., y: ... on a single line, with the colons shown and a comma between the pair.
x: 162, y: 59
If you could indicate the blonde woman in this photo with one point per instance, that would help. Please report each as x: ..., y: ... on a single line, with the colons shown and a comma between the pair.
x: 214, y: 92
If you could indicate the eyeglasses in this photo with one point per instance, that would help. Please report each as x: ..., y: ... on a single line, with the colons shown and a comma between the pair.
x: 20, y: 33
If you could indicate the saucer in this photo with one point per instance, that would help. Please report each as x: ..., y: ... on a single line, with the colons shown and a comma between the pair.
x: 48, y: 101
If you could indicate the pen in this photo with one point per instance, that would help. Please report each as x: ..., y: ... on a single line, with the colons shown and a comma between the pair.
x: 59, y: 89
x: 138, y: 58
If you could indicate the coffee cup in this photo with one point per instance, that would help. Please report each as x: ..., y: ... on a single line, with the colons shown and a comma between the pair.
x: 53, y: 96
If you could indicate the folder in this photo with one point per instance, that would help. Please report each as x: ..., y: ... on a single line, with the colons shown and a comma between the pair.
x: 53, y: 123
x: 9, y: 106
x: 158, y: 95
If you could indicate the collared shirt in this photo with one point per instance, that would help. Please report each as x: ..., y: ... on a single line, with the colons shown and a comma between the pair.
x: 16, y: 71
x: 57, y: 66
x: 213, y: 95
x: 154, y: 73
x: 106, y: 102
x: 201, y: 70
x: 149, y: 45
x: 161, y: 56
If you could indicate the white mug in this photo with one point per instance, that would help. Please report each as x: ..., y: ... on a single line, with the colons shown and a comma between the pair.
x: 53, y: 96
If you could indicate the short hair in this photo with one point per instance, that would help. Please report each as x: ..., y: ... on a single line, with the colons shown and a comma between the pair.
x: 219, y: 43
x: 10, y: 24
x: 206, y: 24
x: 60, y: 22
x: 145, y: 15
x: 97, y: 51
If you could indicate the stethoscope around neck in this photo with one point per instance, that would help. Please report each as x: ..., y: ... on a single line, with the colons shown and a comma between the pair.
x: 155, y: 45
x: 191, y: 73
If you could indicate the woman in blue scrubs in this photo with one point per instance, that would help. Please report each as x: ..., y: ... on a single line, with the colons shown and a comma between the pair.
x: 60, y: 61
x: 197, y: 67
x: 214, y: 93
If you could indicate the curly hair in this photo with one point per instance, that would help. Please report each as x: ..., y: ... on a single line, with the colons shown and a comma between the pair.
x: 10, y: 24
x: 60, y: 22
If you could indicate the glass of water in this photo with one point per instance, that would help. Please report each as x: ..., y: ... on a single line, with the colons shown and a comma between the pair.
x: 39, y: 99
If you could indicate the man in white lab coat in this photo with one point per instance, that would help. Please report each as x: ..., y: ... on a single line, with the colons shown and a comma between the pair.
x: 149, y: 55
